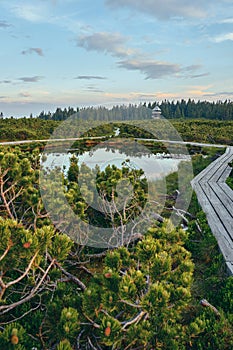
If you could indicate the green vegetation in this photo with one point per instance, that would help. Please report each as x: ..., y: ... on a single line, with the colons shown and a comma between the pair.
x: 56, y: 294
x: 230, y: 178
x: 165, y: 289
x: 194, y: 130
x: 25, y: 129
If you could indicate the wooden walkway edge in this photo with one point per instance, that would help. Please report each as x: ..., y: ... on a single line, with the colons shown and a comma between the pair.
x: 216, y: 200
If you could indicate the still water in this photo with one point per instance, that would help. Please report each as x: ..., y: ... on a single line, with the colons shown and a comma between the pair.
x: 155, y: 166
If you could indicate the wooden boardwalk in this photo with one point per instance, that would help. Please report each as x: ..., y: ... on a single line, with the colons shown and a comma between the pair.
x: 216, y: 200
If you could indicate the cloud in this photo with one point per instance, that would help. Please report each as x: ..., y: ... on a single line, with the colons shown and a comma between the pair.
x: 198, y: 75
x: 4, y: 24
x: 31, y: 50
x: 113, y: 43
x: 223, y: 37
x: 227, y: 20
x: 141, y: 96
x: 5, y: 81
x: 226, y: 93
x: 90, y: 77
x: 221, y: 93
x: 24, y: 94
x: 157, y: 70
x: 164, y: 10
x: 34, y: 79
x: 51, y: 12
x: 32, y: 13
x: 199, y: 91
x: 192, y: 68
x: 93, y: 88
x: 151, y: 69
x: 144, y: 95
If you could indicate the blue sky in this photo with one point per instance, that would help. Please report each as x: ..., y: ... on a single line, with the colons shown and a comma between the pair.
x: 106, y: 52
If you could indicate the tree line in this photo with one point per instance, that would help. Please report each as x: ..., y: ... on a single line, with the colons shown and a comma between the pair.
x: 220, y: 110
x: 201, y: 109
x: 190, y: 109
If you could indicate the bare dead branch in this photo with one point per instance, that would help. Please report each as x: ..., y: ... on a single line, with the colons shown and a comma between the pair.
x: 72, y: 277
x: 130, y: 304
x: 91, y: 345
x: 25, y: 272
x: 22, y: 316
x: 135, y: 319
x: 6, y: 205
x: 205, y: 303
x: 92, y: 322
x: 6, y: 308
x: 6, y: 251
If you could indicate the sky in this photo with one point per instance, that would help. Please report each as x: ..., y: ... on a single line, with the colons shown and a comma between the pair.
x: 60, y: 53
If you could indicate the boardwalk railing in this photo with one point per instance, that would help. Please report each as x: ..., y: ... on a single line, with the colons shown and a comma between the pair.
x: 216, y: 200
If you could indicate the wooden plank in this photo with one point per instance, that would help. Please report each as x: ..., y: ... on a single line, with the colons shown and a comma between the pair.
x: 222, y: 172
x: 225, y: 174
x: 226, y: 188
x: 216, y: 200
x: 211, y: 169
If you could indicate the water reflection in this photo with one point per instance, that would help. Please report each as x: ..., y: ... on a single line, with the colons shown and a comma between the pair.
x: 154, y: 165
